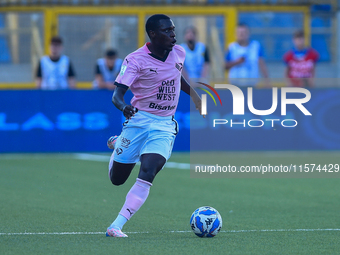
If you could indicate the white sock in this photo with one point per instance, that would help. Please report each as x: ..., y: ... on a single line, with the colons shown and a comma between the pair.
x: 111, y: 161
x: 119, y: 221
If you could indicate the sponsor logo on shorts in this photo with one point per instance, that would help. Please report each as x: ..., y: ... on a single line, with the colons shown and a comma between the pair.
x: 161, y: 107
x: 119, y: 151
x: 125, y: 142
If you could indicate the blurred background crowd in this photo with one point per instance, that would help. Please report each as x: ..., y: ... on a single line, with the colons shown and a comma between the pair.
x: 80, y: 44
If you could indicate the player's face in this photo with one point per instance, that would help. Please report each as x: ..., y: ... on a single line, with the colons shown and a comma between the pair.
x: 242, y: 34
x: 165, y: 36
x: 299, y: 42
x: 56, y: 50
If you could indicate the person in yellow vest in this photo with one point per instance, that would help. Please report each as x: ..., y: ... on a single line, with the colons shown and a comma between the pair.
x: 55, y: 71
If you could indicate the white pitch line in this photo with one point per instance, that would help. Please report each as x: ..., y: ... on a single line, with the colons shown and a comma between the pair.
x: 91, y: 157
x: 86, y: 157
x: 103, y: 158
x: 174, y: 231
x: 177, y: 165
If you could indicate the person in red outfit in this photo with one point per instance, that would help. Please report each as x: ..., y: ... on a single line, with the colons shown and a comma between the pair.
x: 301, y: 61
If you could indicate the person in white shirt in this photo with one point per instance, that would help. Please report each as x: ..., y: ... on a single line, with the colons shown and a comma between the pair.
x: 244, y: 60
x: 196, y: 64
x: 55, y: 71
x: 107, y: 70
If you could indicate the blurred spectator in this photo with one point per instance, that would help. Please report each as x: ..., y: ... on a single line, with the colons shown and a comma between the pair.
x: 300, y: 62
x: 244, y: 58
x: 107, y: 70
x: 55, y: 71
x: 196, y: 64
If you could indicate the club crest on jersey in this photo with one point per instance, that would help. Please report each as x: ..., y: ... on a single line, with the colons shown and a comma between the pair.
x: 179, y: 66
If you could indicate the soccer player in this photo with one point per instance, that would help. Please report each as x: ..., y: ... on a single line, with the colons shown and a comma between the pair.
x: 55, y: 71
x: 244, y: 59
x: 107, y: 70
x: 300, y: 62
x: 196, y: 64
x: 154, y: 75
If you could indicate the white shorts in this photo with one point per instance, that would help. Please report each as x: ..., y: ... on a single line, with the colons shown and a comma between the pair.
x: 145, y: 133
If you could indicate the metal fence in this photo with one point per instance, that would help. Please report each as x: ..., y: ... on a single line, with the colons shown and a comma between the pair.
x: 163, y: 2
x: 87, y: 37
x: 88, y: 32
x: 21, y: 36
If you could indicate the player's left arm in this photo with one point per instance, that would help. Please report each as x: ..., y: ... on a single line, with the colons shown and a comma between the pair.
x: 71, y: 76
x: 206, y: 66
x: 264, y: 71
x: 263, y: 68
x: 311, y: 80
x: 185, y: 87
x: 39, y: 76
x: 315, y: 58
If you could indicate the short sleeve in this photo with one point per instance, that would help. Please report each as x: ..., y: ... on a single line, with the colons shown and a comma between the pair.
x: 129, y: 72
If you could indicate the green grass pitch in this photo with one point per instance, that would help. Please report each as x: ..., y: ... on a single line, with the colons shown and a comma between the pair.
x: 60, y: 194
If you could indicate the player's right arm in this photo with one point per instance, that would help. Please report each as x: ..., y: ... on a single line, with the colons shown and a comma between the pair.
x: 185, y: 87
x: 127, y: 76
x: 119, y: 102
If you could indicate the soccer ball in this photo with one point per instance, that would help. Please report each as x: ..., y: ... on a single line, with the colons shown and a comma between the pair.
x: 206, y: 222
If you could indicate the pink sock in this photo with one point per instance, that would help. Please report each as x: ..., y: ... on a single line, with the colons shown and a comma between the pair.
x: 135, y: 198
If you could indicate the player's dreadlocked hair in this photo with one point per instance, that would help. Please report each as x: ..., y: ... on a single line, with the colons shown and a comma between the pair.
x: 153, y: 22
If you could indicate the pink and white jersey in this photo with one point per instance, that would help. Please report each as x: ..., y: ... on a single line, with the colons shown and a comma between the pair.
x: 155, y: 83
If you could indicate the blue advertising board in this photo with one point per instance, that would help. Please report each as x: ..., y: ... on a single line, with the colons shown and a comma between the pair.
x: 83, y: 120
x: 66, y: 121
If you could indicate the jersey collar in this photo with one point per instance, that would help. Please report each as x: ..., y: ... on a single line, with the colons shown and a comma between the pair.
x: 153, y: 55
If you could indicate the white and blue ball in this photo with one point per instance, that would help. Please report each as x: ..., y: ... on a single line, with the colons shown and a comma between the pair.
x: 206, y: 222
